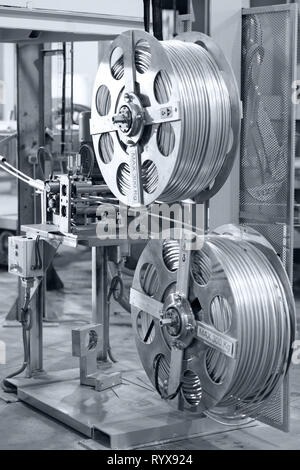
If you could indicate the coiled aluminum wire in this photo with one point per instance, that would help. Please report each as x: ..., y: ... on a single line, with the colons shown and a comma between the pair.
x: 206, y: 120
x: 265, y: 333
x: 264, y: 328
x: 206, y: 117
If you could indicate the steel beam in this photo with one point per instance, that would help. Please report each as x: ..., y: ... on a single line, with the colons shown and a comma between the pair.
x: 41, y: 25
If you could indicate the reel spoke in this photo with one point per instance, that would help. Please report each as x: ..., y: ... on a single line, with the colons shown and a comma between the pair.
x: 176, y: 364
x: 159, y: 115
x: 129, y: 62
x: 136, y: 186
x: 102, y: 124
x: 183, y: 273
x: 146, y: 304
x: 216, y: 340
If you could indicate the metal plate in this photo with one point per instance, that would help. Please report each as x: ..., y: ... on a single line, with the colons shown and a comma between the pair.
x: 268, y: 127
x: 130, y: 417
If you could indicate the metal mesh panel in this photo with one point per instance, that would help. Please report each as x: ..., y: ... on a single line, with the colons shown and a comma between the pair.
x: 276, y: 234
x: 267, y: 145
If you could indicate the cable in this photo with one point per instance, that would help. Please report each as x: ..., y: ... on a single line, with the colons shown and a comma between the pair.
x: 38, y: 257
x: 147, y: 15
x: 6, y: 386
x: 157, y: 19
x: 26, y: 322
x: 174, y: 18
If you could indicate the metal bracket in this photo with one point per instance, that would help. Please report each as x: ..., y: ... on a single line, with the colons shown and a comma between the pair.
x: 86, y: 344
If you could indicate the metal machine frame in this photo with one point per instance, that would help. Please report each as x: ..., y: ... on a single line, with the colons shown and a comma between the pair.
x: 60, y: 394
x: 136, y: 423
x: 134, y: 427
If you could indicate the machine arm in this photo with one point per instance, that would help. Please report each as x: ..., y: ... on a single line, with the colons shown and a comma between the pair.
x: 36, y: 184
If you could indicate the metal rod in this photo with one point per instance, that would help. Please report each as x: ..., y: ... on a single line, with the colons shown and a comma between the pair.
x: 100, y: 306
x: 36, y: 333
x: 63, y: 101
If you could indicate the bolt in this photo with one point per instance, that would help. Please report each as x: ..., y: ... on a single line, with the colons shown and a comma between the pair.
x: 165, y: 321
x: 119, y: 118
x: 178, y: 344
x: 189, y: 327
x: 127, y: 98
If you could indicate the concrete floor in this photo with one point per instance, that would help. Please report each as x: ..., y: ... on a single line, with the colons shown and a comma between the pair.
x: 22, y: 427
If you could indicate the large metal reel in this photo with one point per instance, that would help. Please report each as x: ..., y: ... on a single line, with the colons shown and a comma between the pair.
x: 196, y: 340
x: 131, y: 118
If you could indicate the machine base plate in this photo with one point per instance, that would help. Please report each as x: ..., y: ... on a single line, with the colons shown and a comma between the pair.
x: 127, y: 416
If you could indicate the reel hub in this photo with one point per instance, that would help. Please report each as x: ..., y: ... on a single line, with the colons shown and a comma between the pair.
x: 178, y: 320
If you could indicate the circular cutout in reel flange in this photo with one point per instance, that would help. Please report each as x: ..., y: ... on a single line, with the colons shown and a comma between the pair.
x: 132, y: 43
x: 157, y: 102
x: 214, y: 373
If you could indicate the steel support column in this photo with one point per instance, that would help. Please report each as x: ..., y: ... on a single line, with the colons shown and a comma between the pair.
x: 36, y: 333
x: 226, y: 30
x: 30, y: 117
x: 100, y: 307
x: 30, y: 86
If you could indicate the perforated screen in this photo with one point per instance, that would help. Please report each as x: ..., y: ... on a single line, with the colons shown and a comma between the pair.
x: 268, y: 136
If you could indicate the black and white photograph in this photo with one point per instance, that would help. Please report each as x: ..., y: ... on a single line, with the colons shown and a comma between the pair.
x: 149, y: 228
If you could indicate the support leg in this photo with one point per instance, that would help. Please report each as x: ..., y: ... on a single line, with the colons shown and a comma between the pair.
x: 100, y: 307
x: 36, y: 333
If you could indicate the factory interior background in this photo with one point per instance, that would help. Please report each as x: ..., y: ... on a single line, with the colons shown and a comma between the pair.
x: 119, y: 342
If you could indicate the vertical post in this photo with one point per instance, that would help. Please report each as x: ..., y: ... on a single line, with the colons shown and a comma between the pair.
x: 100, y: 308
x: 2, y: 83
x: 30, y: 123
x: 202, y: 15
x: 226, y: 30
x: 36, y: 333
x: 30, y: 118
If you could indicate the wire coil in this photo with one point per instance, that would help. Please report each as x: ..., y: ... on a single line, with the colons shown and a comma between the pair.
x: 265, y: 334
x: 188, y: 158
x: 206, y: 120
x: 238, y: 287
